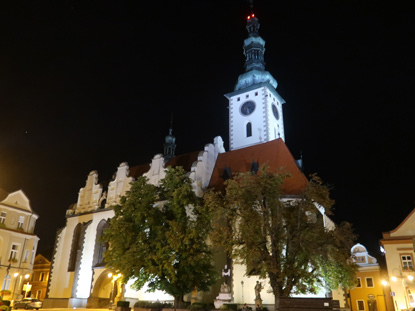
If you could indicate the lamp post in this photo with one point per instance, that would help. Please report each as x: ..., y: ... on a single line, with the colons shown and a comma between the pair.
x: 242, y: 284
x: 14, y: 287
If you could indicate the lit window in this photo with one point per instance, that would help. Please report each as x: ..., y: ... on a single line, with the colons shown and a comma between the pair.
x: 360, y: 305
x: 407, y: 262
x: 369, y: 282
x: 359, y: 284
x: 21, y: 222
x: 2, y: 217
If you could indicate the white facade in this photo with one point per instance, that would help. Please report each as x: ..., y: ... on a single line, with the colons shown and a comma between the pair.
x: 398, y: 246
x: 255, y: 116
x: 18, y: 243
x: 78, y: 276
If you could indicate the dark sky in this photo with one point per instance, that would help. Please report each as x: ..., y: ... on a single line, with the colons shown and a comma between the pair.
x: 86, y: 85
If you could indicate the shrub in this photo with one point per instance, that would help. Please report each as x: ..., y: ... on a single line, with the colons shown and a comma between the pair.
x: 229, y: 306
x: 5, y: 308
x: 6, y: 302
x: 152, y: 305
x: 123, y: 303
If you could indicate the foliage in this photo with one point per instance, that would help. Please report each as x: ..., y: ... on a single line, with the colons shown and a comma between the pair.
x: 5, y: 292
x: 199, y: 306
x: 229, y: 306
x: 284, y: 239
x: 158, y: 236
x: 152, y: 305
x: 4, y: 308
x: 123, y: 303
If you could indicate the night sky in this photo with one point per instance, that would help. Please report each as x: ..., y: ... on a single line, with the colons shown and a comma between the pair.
x: 86, y: 85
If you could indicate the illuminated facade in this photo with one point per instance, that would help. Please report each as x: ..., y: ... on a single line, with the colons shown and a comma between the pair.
x: 18, y: 243
x: 371, y: 292
x: 398, y: 246
x: 78, y: 274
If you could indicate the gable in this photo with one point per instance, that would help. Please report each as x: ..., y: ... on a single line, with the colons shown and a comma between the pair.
x: 406, y: 228
x: 18, y: 199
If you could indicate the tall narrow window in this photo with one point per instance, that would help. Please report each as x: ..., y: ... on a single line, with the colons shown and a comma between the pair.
x: 42, y: 276
x: 369, y: 282
x: 76, y: 248
x: 26, y: 255
x: 32, y: 257
x: 39, y: 294
x: 13, y: 252
x: 21, y: 222
x: 100, y: 247
x: 249, y: 129
x: 2, y: 217
x: 6, y: 282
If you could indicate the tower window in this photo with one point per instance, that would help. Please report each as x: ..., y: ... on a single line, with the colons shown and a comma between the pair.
x: 238, y: 99
x: 2, y: 217
x: 249, y: 129
x: 256, y: 93
x: 247, y: 95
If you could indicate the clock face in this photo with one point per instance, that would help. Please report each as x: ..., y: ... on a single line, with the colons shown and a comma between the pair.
x: 247, y: 108
x: 275, y: 112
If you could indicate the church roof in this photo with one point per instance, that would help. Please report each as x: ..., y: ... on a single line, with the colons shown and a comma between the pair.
x: 274, y: 153
x: 185, y: 160
x: 139, y: 170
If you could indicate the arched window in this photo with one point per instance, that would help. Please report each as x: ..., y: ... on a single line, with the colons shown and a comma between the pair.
x: 76, y: 248
x: 249, y: 129
x: 100, y: 246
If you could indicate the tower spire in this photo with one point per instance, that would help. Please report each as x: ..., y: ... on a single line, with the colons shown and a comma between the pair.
x: 169, y: 142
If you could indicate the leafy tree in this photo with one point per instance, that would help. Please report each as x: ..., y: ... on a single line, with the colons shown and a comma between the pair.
x: 282, y: 238
x: 158, y: 236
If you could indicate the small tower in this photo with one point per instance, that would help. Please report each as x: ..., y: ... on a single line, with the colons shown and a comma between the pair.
x: 169, y: 144
x: 255, y: 107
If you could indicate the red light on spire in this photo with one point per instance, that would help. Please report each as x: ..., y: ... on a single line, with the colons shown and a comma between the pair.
x: 253, y: 15
x: 249, y: 17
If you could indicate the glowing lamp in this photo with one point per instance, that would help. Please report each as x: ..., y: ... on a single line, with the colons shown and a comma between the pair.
x: 384, y: 283
x: 410, y: 277
x: 16, y: 274
x: 249, y: 17
x: 394, y: 278
x: 109, y: 274
x: 26, y: 276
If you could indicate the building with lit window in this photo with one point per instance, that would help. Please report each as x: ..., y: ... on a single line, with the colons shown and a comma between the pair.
x: 398, y: 246
x: 40, y: 277
x: 18, y: 243
x: 372, y: 292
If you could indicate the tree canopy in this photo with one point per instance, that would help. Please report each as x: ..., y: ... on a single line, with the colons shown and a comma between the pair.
x: 283, y: 238
x: 158, y: 236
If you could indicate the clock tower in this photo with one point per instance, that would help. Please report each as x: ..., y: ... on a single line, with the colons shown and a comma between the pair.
x: 255, y: 107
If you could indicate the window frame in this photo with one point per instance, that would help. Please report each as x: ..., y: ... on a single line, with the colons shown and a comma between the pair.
x: 367, y: 285
x: 404, y: 262
x: 20, y: 223
x: 358, y: 306
x: 359, y: 282
x: 3, y: 216
x: 14, y: 252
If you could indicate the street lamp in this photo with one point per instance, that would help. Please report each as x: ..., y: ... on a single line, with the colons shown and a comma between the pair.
x: 114, y: 278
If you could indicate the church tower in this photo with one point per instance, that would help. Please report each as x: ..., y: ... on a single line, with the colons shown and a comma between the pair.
x: 255, y: 107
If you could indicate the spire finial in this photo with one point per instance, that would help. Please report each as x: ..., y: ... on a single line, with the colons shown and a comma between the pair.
x: 169, y: 142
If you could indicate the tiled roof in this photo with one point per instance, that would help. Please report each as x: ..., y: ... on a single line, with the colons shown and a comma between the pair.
x: 274, y: 153
x: 185, y: 160
x: 139, y: 170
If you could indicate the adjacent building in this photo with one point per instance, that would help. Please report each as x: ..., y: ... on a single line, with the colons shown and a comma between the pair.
x: 40, y: 277
x: 18, y: 243
x: 398, y: 246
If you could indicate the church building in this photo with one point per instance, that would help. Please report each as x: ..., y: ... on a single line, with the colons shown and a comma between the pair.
x: 78, y: 275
